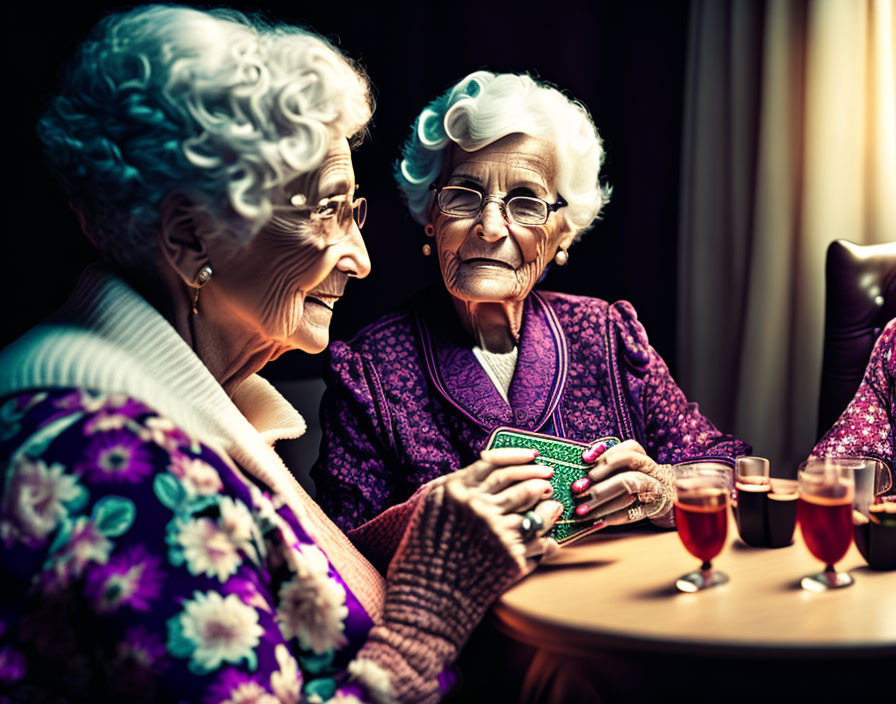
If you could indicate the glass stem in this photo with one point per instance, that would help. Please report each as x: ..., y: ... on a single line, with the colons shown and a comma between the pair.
x: 706, y: 566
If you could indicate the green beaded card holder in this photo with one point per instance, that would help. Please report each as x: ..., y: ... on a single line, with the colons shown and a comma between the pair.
x: 565, y: 458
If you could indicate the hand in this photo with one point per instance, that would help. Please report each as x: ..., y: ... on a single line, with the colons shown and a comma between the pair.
x: 462, y: 547
x: 498, y: 489
x: 625, y: 485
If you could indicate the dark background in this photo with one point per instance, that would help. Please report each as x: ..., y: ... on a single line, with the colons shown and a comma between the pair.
x: 624, y: 60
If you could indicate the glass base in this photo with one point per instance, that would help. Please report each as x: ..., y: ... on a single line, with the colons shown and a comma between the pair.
x: 829, y: 579
x: 701, y: 579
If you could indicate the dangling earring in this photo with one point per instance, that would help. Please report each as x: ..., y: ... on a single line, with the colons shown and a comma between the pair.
x: 561, y: 257
x: 430, y: 231
x: 202, y: 278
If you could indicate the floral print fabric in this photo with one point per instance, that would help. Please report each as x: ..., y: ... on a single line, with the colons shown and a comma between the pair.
x: 868, y: 425
x: 137, y: 565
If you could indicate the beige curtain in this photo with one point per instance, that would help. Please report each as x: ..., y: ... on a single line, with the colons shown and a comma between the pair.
x: 789, y: 143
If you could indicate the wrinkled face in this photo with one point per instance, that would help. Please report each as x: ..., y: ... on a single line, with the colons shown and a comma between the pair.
x: 486, y: 257
x: 285, y: 284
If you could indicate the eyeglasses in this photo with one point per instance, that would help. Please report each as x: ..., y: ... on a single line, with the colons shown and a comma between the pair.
x: 463, y: 202
x: 330, y: 214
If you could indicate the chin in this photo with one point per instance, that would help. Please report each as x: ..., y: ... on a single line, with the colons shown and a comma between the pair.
x: 486, y: 291
x: 313, y: 344
x: 307, y: 337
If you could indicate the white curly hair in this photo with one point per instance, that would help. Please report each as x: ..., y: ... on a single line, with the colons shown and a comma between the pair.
x: 214, y: 105
x: 484, y: 107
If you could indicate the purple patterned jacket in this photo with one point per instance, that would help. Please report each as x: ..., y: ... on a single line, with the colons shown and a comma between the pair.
x: 407, y: 401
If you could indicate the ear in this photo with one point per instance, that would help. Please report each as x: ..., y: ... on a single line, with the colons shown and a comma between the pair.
x: 567, y: 235
x: 183, y: 248
x: 434, y: 211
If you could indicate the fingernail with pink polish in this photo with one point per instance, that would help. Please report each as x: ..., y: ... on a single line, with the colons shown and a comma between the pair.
x: 548, y: 492
x: 599, y: 523
x: 579, y: 485
x: 582, y: 509
x: 592, y: 453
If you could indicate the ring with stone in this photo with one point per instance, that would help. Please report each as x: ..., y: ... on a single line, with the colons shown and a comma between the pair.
x: 531, y: 525
x: 635, y: 513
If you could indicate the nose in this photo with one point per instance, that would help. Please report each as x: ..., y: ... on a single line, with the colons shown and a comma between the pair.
x: 354, y: 261
x: 491, y: 226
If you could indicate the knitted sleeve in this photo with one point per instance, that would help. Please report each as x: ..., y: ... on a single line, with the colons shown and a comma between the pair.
x: 446, y: 572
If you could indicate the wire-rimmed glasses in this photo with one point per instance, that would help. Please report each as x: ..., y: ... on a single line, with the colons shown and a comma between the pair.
x: 330, y: 215
x: 463, y: 202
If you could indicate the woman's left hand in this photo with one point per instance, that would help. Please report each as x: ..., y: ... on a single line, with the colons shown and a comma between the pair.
x: 625, y: 485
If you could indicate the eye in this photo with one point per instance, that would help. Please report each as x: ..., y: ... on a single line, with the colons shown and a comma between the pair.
x: 327, y: 209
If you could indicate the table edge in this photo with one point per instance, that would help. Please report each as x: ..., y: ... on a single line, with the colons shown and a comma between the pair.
x: 580, y: 642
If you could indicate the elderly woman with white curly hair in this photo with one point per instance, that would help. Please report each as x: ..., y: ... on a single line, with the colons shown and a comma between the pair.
x: 155, y: 547
x: 502, y: 172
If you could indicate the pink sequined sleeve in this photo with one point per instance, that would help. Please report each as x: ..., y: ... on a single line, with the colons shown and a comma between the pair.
x: 868, y: 425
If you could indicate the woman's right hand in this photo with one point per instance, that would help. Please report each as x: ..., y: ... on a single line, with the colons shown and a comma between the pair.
x: 498, y: 488
x: 462, y: 547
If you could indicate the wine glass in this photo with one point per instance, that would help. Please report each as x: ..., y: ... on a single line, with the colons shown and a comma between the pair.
x: 824, y: 512
x: 702, y: 519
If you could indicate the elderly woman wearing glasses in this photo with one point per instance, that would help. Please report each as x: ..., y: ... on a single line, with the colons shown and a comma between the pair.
x: 502, y: 173
x: 155, y: 547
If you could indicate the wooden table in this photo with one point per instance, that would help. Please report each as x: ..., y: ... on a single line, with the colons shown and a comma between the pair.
x: 609, y: 603
x: 617, y: 591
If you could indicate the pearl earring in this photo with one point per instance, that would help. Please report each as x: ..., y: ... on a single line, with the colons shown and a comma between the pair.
x: 430, y: 231
x: 561, y: 257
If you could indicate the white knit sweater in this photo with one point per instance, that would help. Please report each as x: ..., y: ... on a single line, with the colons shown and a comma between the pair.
x: 109, y: 339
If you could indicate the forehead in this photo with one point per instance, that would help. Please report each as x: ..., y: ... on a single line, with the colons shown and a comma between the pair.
x: 519, y: 154
x: 334, y: 176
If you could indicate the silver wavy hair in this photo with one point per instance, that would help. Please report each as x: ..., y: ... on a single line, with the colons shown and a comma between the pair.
x: 215, y: 105
x: 484, y: 107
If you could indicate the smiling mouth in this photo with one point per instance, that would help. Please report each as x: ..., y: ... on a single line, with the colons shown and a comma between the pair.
x: 326, y: 301
x: 482, y: 261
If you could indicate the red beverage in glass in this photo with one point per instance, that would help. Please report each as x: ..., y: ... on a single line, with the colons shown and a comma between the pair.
x: 702, y: 521
x: 826, y: 525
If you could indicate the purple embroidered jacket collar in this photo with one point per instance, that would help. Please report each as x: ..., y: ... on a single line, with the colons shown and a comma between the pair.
x: 536, y: 386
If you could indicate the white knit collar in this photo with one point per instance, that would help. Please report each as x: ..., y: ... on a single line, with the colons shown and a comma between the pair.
x: 109, y: 339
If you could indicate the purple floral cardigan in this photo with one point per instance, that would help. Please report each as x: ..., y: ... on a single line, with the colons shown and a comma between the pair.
x: 137, y: 566
x: 868, y: 425
x: 407, y: 401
